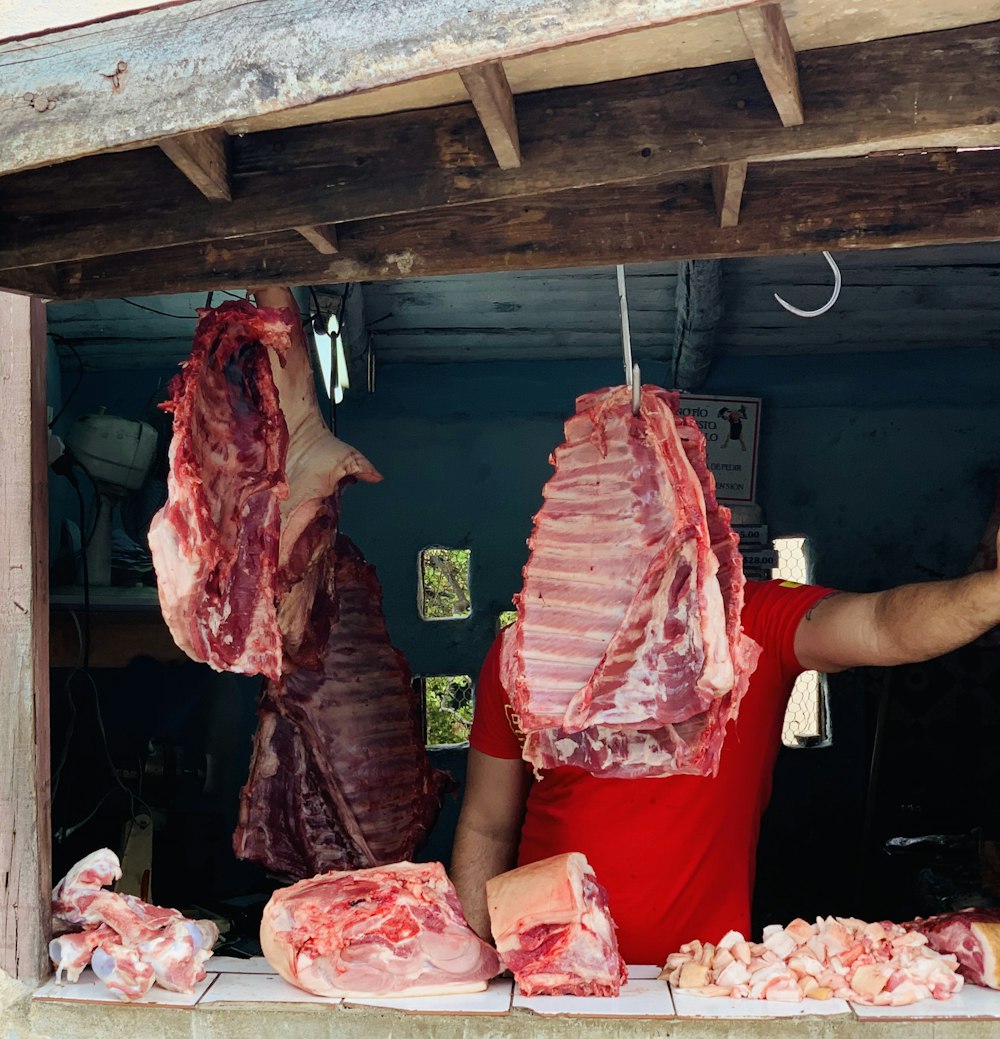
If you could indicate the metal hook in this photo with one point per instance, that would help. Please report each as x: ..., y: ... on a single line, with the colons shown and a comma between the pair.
x: 829, y: 303
x: 632, y: 378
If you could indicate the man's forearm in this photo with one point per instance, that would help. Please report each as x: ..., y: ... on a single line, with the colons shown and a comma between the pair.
x: 477, y: 857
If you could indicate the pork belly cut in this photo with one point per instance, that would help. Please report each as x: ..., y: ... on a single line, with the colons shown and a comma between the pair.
x: 252, y: 495
x: 972, y: 936
x: 340, y: 777
x: 553, y: 929
x: 394, y: 930
x: 628, y: 657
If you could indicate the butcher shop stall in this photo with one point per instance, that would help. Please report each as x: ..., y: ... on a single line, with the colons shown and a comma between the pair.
x: 344, y: 349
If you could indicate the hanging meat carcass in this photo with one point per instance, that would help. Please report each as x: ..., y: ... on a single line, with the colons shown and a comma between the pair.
x: 628, y: 656
x: 396, y: 930
x: 252, y: 494
x: 340, y: 777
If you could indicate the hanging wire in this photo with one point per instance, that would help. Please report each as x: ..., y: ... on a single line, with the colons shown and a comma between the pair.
x: 837, y: 281
x: 632, y: 378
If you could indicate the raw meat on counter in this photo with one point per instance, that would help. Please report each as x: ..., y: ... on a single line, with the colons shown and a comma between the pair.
x: 252, y: 494
x: 628, y: 657
x: 972, y: 936
x: 876, y: 964
x: 390, y: 931
x: 340, y: 777
x: 553, y: 929
x: 130, y: 944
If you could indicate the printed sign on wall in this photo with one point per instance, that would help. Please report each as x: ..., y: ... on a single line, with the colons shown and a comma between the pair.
x: 731, y: 426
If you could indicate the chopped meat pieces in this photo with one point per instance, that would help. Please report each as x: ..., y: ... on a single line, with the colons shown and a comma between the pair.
x: 628, y: 657
x: 972, y: 936
x: 874, y: 964
x: 553, y: 929
x: 389, y: 931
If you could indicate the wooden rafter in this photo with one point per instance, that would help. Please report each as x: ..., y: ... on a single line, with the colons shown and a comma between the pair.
x: 494, y: 103
x: 727, y: 187
x: 203, y: 158
x: 603, y: 134
x: 794, y: 207
x: 322, y: 239
x: 767, y: 33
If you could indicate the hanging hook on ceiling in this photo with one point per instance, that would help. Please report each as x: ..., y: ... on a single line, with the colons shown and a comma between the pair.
x: 837, y: 281
x: 632, y: 378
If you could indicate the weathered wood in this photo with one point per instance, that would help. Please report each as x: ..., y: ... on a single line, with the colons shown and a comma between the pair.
x: 269, y: 55
x: 793, y: 207
x: 767, y: 34
x: 26, y: 833
x: 322, y: 239
x: 494, y: 104
x: 203, y: 157
x: 868, y: 96
x: 727, y: 187
x: 20, y: 19
x: 699, y: 304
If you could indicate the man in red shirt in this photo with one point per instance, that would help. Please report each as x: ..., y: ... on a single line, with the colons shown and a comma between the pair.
x: 677, y: 854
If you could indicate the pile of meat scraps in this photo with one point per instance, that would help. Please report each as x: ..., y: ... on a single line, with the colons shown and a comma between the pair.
x: 340, y: 778
x: 130, y: 944
x: 252, y: 495
x: 876, y: 964
x: 628, y: 658
x: 553, y: 930
x: 972, y: 936
x: 392, y: 931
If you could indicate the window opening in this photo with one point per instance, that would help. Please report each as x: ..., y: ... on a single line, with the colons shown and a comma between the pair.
x: 807, y: 722
x: 443, y: 584
x: 505, y: 619
x: 447, y: 701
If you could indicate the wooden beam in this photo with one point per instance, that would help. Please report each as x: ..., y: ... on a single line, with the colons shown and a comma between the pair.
x: 203, y: 157
x: 494, y: 104
x: 699, y: 311
x: 19, y: 20
x: 278, y: 54
x: 767, y: 34
x: 938, y: 198
x: 26, y: 833
x: 322, y: 239
x: 727, y: 187
x: 935, y: 89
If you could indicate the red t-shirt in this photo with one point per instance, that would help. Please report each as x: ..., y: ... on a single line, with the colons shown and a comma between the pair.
x: 676, y: 854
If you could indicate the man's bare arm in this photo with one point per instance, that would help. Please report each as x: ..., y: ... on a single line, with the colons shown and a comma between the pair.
x: 489, y: 828
x: 902, y: 625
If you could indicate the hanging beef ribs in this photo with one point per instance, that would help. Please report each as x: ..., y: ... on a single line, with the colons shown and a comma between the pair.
x: 972, y: 936
x: 553, y: 930
x: 628, y: 657
x: 340, y: 778
x: 392, y: 931
x: 252, y: 495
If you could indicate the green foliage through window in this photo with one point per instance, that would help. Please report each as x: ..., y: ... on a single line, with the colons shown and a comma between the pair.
x: 506, y: 618
x: 444, y: 584
x: 448, y: 708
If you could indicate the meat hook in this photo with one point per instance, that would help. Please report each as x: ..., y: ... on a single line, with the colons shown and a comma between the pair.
x: 632, y: 378
x: 837, y: 280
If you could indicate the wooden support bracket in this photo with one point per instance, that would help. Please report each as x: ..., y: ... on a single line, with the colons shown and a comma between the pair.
x: 494, y: 103
x: 203, y: 158
x: 322, y: 239
x: 767, y: 34
x: 727, y: 186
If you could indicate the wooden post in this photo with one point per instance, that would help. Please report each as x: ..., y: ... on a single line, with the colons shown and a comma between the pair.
x: 25, y: 824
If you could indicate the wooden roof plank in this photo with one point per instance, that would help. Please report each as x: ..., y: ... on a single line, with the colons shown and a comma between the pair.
x: 934, y: 89
x: 196, y: 66
x: 793, y: 207
x: 322, y: 239
x: 494, y: 104
x: 203, y: 157
x: 727, y: 187
x: 767, y: 34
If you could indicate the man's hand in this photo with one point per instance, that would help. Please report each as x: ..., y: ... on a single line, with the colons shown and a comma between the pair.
x: 900, y: 626
x: 489, y: 829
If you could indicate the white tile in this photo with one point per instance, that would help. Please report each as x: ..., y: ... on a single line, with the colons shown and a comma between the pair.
x: 972, y: 1001
x: 643, y: 971
x: 90, y: 989
x: 494, y: 1000
x: 640, y: 997
x: 689, y: 1005
x: 233, y: 965
x: 259, y: 988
